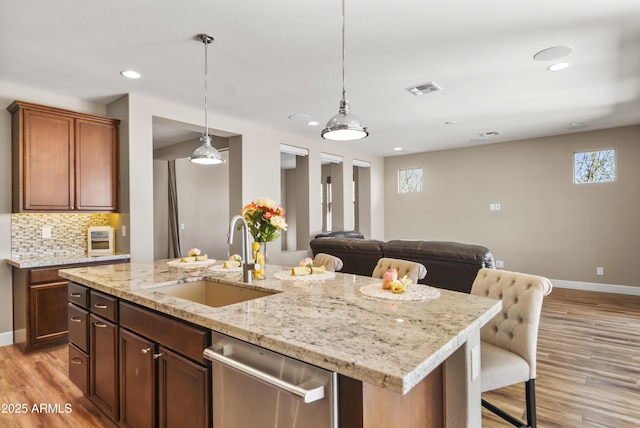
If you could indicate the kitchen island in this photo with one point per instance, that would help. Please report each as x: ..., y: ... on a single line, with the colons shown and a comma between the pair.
x: 390, y: 347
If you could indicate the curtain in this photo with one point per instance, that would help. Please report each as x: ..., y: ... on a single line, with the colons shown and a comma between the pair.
x: 174, y: 221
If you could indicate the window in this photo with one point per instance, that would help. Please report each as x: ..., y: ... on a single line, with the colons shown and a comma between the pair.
x: 410, y: 180
x: 595, y: 167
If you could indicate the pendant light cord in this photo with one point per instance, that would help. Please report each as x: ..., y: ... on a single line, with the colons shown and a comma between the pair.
x: 343, y: 55
x: 206, y: 62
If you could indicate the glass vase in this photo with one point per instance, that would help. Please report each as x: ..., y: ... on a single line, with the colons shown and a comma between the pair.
x: 260, y: 259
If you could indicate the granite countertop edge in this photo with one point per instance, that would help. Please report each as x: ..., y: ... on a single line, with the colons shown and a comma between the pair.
x: 44, y: 261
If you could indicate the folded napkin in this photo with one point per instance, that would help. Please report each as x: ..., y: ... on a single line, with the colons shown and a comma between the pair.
x: 306, y: 270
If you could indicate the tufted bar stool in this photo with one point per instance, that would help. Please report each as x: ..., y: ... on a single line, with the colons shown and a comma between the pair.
x: 509, y: 341
x: 331, y: 263
x: 415, y: 271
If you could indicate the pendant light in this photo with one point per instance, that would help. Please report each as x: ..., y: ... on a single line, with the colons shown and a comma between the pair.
x: 206, y: 154
x: 344, y: 126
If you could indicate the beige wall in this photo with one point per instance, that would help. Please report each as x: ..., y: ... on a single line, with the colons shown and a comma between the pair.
x: 547, y: 225
x: 203, y: 195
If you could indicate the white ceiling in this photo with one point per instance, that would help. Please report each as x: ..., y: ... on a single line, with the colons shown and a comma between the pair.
x: 271, y: 59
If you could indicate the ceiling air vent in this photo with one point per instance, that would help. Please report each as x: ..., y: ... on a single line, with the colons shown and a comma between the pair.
x: 490, y: 134
x: 424, y: 88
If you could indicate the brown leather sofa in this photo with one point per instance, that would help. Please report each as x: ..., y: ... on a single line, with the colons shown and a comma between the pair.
x: 450, y: 265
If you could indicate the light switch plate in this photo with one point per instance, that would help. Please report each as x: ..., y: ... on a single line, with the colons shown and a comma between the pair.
x: 46, y: 232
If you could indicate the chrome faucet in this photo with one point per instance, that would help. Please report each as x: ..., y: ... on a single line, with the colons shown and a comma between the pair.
x: 248, y: 266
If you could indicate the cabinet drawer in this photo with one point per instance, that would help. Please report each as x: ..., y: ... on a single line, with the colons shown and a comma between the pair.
x: 38, y: 276
x: 78, y: 327
x: 78, y: 294
x: 104, y: 305
x: 79, y: 369
x: 184, y: 338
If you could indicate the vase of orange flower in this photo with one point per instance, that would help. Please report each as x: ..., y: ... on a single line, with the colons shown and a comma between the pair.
x: 266, y: 221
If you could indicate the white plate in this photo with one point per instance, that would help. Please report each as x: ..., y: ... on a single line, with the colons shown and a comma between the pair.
x: 285, y: 275
x: 199, y: 263
x: 222, y: 269
x: 412, y: 292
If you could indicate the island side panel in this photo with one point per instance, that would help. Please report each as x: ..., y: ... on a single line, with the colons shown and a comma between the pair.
x: 462, y: 385
x: 363, y: 405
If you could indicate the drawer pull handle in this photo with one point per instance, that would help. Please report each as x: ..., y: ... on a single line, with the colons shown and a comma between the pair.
x: 75, y: 295
x: 100, y: 324
x: 76, y: 361
x: 146, y: 350
x: 76, y: 319
x: 100, y: 306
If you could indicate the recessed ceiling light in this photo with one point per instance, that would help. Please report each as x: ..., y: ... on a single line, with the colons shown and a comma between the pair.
x: 313, y: 123
x: 553, y: 53
x: 131, y: 74
x: 558, y: 66
x: 578, y: 125
x: 450, y: 122
x: 397, y: 149
x: 490, y: 134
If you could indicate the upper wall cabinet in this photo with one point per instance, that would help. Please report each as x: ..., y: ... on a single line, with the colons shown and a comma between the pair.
x: 63, y: 160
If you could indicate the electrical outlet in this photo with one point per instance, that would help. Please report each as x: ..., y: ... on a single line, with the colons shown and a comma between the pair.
x: 124, y: 230
x: 499, y: 263
x: 475, y: 362
x: 46, y: 232
x: 599, y: 270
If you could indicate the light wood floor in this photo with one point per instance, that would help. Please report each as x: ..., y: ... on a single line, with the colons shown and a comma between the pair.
x: 588, y: 364
x: 42, y: 378
x: 588, y: 372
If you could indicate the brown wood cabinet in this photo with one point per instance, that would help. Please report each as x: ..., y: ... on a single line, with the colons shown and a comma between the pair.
x: 137, y: 381
x: 177, y: 394
x: 63, y: 160
x: 183, y: 392
x: 40, y: 310
x: 145, y: 369
x: 103, y: 365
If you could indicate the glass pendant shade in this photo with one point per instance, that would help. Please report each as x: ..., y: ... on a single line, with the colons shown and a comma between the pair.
x: 344, y: 126
x: 206, y: 154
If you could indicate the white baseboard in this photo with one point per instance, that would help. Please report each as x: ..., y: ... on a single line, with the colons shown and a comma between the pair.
x: 6, y: 338
x: 594, y: 286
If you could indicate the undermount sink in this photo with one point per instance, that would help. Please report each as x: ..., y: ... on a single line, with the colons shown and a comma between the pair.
x: 212, y: 293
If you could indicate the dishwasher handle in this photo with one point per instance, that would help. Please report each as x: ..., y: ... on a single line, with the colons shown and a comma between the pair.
x: 306, y: 395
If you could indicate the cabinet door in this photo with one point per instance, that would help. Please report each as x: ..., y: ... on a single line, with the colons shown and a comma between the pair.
x: 103, y: 357
x: 78, y: 327
x: 48, y: 162
x: 183, y: 392
x: 48, y: 305
x: 79, y: 369
x: 96, y: 165
x: 137, y: 381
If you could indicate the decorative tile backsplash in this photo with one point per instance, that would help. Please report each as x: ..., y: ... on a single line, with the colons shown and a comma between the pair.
x: 68, y: 234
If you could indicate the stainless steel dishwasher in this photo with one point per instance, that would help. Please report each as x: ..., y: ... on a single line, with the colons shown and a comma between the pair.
x: 256, y: 388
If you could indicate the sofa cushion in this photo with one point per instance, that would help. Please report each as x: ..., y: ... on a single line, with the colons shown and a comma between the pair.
x: 341, y: 234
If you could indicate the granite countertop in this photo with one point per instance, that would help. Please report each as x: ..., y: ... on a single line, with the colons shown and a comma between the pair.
x: 43, y: 261
x: 330, y: 324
